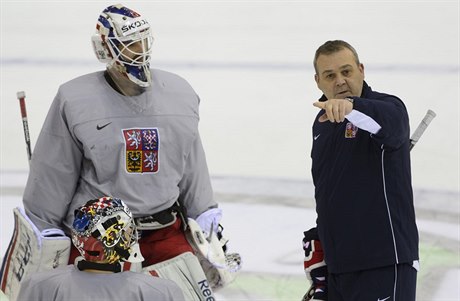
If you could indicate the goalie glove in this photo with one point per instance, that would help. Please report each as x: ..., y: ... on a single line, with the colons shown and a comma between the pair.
x: 315, y: 266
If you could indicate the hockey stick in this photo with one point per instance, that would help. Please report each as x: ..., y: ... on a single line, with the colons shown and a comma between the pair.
x: 421, y: 128
x: 25, y: 124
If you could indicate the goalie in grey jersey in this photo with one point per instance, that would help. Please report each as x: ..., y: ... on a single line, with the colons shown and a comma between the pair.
x: 131, y: 132
x: 104, y: 233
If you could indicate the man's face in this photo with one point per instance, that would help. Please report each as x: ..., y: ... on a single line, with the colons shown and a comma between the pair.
x: 133, y: 51
x: 339, y: 75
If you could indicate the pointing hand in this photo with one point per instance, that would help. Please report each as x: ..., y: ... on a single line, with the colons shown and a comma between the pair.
x: 335, y: 109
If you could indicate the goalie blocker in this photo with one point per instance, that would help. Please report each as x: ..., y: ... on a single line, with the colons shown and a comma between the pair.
x: 219, y: 266
x: 30, y: 251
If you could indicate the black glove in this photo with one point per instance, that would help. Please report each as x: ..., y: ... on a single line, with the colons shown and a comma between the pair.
x: 315, y: 267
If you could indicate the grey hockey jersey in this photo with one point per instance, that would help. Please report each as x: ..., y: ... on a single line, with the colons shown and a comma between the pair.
x: 69, y: 284
x: 95, y: 142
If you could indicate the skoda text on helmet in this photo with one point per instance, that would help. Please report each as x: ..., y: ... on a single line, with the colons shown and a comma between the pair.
x: 104, y: 231
x: 123, y: 39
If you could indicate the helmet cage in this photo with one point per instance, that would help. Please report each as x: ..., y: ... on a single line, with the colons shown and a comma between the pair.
x: 124, y: 49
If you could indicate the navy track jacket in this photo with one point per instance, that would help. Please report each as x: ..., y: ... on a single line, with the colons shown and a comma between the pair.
x: 363, y: 187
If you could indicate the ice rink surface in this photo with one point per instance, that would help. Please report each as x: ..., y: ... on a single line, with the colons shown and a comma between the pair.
x: 250, y: 62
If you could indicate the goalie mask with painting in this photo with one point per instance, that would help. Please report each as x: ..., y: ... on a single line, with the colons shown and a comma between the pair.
x: 104, y: 231
x: 123, y: 40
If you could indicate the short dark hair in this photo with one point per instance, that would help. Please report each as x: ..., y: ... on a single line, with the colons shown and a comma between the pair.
x: 331, y: 47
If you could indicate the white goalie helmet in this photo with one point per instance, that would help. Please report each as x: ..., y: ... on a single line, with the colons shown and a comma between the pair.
x: 123, y: 40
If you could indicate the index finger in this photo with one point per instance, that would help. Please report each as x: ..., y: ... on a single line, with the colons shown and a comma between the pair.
x: 319, y: 104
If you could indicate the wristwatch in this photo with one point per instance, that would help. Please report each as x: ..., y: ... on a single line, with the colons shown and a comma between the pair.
x: 350, y: 99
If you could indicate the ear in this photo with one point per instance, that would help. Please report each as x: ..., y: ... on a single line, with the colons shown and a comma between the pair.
x: 361, y: 69
x: 317, y: 81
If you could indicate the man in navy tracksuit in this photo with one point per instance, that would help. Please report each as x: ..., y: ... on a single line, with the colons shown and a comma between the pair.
x: 362, y: 177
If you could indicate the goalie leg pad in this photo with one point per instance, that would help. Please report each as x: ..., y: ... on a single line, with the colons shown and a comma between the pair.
x: 31, y: 251
x: 185, y: 270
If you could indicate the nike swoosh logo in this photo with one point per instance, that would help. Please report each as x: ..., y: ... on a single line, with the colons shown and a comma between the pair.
x: 316, y: 137
x: 100, y: 127
x: 383, y: 299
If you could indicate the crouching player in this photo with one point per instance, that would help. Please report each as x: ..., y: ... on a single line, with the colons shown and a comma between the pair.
x: 105, y: 235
